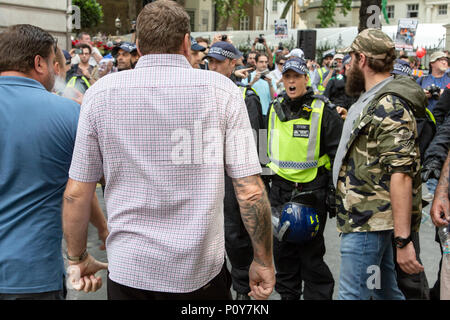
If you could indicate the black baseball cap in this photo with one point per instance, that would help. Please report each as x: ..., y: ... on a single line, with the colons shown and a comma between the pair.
x: 296, y: 64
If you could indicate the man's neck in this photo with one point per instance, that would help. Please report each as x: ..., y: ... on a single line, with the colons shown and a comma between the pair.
x: 84, y: 65
x: 375, y: 78
x: 13, y: 74
x: 437, y: 73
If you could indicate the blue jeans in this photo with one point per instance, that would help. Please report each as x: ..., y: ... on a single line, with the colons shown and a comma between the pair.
x: 367, y: 267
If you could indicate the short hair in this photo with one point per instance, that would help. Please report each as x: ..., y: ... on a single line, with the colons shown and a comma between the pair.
x: 261, y: 55
x: 20, y: 44
x: 380, y: 65
x: 161, y: 27
x: 80, y: 36
x: 201, y: 39
x: 60, y: 57
x: 85, y: 46
x: 279, y: 58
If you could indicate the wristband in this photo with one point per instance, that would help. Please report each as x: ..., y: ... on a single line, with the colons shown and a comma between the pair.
x: 78, y: 258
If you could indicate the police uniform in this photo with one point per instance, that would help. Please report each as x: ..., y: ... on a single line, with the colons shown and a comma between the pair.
x: 303, y: 136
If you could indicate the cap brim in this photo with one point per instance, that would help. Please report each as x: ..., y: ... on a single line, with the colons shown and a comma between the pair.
x: 295, y: 70
x: 215, y: 56
x: 347, y: 50
x: 197, y: 47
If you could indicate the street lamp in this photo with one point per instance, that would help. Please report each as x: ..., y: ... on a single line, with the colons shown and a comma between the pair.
x: 118, y: 24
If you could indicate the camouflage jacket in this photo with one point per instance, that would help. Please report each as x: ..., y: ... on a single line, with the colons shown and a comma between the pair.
x: 383, y: 141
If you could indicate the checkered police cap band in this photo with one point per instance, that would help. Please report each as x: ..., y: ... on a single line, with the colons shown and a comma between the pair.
x: 296, y: 66
x: 222, y: 52
x: 403, y: 68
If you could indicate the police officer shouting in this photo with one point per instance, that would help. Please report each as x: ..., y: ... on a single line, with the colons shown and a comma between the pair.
x: 303, y: 137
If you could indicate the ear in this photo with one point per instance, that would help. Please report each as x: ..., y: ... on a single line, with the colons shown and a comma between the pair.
x: 233, y: 62
x: 186, y: 46
x: 137, y: 47
x: 57, y: 68
x: 40, y: 65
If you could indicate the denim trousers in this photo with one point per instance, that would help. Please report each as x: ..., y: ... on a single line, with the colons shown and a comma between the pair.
x: 367, y: 267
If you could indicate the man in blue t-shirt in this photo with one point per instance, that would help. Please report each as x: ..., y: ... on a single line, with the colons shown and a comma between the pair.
x: 37, y: 137
x: 439, y: 77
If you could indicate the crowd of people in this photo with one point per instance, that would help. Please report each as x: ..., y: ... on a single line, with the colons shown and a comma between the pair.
x: 206, y: 154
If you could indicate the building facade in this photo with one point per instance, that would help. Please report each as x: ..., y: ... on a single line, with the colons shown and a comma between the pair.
x: 426, y: 11
x: 49, y: 15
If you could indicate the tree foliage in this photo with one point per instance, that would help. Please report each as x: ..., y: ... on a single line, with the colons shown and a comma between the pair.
x: 91, y: 13
x: 231, y: 9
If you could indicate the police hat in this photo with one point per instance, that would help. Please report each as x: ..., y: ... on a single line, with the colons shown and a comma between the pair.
x: 296, y: 64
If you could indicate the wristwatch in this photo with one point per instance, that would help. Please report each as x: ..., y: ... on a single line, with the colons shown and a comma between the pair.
x: 78, y: 258
x: 402, y: 242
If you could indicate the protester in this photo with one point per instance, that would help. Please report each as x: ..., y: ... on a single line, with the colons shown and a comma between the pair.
x: 276, y: 74
x: 296, y: 53
x: 96, y: 56
x: 222, y: 58
x: 438, y: 76
x: 37, y: 136
x: 264, y: 86
x: 267, y: 52
x: 251, y: 59
x: 335, y: 90
x: 307, y: 133
x: 166, y: 239
x: 377, y: 172
x: 80, y: 74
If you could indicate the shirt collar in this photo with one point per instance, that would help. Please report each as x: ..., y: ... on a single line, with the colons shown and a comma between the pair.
x: 153, y: 60
x: 21, y: 81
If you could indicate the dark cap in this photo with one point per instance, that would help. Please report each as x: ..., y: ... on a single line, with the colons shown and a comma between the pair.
x: 195, y: 46
x: 372, y: 42
x: 222, y: 50
x: 126, y: 46
x: 67, y: 56
x: 347, y: 59
x: 402, y: 67
x: 296, y: 64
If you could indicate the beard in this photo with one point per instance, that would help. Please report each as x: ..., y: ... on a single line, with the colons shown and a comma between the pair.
x: 355, y: 83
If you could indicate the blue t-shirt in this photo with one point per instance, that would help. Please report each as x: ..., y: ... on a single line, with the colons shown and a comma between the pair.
x: 37, y: 136
x: 263, y: 90
x: 428, y: 80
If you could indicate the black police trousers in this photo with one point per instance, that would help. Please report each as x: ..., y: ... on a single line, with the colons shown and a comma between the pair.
x: 301, y: 264
x: 238, y: 244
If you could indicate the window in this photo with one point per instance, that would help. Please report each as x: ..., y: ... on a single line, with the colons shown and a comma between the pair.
x: 258, y: 25
x: 342, y: 25
x: 442, y: 10
x: 191, y: 14
x: 390, y: 12
x: 413, y: 11
x: 205, y: 20
x: 274, y: 5
x: 244, y: 23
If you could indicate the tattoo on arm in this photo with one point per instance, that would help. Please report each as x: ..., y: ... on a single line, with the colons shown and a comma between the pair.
x: 442, y: 187
x: 256, y: 213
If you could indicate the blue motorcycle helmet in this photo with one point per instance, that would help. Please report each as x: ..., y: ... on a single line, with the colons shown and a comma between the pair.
x: 297, y: 224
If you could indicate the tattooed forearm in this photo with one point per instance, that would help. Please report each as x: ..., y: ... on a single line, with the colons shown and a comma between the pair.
x: 256, y: 214
x: 442, y: 187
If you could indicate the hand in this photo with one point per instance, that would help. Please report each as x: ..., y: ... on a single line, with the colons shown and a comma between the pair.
x: 217, y: 38
x: 262, y: 280
x: 269, y: 80
x: 342, y: 111
x: 427, y: 93
x: 82, y: 274
x: 431, y: 169
x: 85, y: 73
x: 242, y: 73
x: 440, y: 210
x: 406, y: 259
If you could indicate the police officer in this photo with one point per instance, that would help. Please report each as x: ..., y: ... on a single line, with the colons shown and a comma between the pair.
x: 222, y: 58
x: 303, y: 136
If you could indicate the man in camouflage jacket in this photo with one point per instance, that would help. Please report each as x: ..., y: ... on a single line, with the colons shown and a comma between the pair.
x: 377, y: 173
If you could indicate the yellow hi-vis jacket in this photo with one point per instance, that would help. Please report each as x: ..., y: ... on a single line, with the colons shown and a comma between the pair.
x: 294, y: 146
x: 321, y: 72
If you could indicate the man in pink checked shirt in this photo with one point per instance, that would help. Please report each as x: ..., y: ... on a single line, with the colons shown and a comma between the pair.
x: 162, y: 136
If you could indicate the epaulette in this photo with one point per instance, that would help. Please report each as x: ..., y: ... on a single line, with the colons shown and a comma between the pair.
x: 325, y: 99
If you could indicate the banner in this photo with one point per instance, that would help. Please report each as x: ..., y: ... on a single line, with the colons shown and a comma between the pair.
x: 281, y: 28
x: 406, y: 31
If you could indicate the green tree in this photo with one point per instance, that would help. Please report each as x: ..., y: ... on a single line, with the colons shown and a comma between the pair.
x: 91, y: 13
x: 231, y: 9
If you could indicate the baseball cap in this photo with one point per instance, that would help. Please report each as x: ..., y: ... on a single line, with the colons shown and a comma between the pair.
x: 296, y: 53
x: 195, y: 46
x: 67, y: 56
x: 402, y: 67
x: 338, y: 56
x: 346, y: 60
x: 372, y: 42
x: 222, y: 50
x: 437, y: 55
x: 126, y: 46
x: 296, y: 64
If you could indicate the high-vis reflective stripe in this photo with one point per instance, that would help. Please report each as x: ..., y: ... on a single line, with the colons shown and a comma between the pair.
x: 430, y: 114
x: 320, y: 86
x: 296, y: 158
x: 72, y: 82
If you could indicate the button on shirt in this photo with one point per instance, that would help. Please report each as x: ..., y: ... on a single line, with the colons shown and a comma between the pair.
x: 161, y: 134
